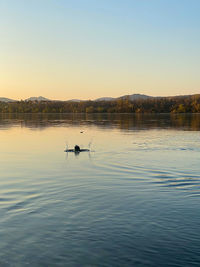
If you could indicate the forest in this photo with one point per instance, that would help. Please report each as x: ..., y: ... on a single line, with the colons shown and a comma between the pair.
x: 176, y: 104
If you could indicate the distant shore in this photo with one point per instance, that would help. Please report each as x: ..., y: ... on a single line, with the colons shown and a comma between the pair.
x: 176, y: 104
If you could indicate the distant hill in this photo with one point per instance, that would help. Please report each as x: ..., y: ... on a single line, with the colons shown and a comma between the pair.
x: 131, y: 97
x: 39, y: 98
x: 136, y: 97
x: 105, y: 99
x: 4, y: 99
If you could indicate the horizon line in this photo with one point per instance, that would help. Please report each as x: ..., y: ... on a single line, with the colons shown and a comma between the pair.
x: 93, y: 99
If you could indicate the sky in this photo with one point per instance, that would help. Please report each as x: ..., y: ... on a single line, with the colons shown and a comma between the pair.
x: 85, y: 49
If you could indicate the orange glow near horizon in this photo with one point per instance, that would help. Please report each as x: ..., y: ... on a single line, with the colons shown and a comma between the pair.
x: 65, y: 50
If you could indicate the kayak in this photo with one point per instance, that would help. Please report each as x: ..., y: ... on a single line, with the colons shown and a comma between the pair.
x: 73, y: 150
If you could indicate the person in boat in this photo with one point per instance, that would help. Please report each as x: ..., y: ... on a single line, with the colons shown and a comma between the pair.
x: 77, y: 148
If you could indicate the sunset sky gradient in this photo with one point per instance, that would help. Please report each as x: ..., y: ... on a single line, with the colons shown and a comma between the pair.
x: 64, y: 49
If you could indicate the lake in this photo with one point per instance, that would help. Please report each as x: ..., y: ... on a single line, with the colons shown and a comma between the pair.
x: 133, y: 200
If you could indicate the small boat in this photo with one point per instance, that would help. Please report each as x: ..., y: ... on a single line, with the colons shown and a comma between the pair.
x: 77, y: 149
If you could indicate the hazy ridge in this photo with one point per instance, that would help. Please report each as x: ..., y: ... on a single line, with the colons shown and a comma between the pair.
x: 131, y: 97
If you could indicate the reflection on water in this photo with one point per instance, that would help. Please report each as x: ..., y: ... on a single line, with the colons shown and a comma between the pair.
x: 133, y: 200
x: 121, y: 121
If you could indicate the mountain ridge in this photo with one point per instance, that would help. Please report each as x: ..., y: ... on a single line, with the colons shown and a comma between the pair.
x: 41, y: 98
x: 131, y: 97
x: 5, y: 99
x: 37, y: 98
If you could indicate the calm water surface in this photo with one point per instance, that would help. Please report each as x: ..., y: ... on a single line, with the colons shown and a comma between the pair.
x: 134, y: 200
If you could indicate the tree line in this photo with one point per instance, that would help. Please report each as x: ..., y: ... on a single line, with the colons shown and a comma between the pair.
x: 178, y: 104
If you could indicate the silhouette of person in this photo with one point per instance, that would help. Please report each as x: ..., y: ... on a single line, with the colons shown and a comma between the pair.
x: 77, y: 148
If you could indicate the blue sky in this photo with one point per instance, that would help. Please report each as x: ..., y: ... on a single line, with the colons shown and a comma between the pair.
x: 92, y: 48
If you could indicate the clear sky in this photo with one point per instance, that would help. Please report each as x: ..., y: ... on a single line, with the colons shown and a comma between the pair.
x: 64, y: 49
